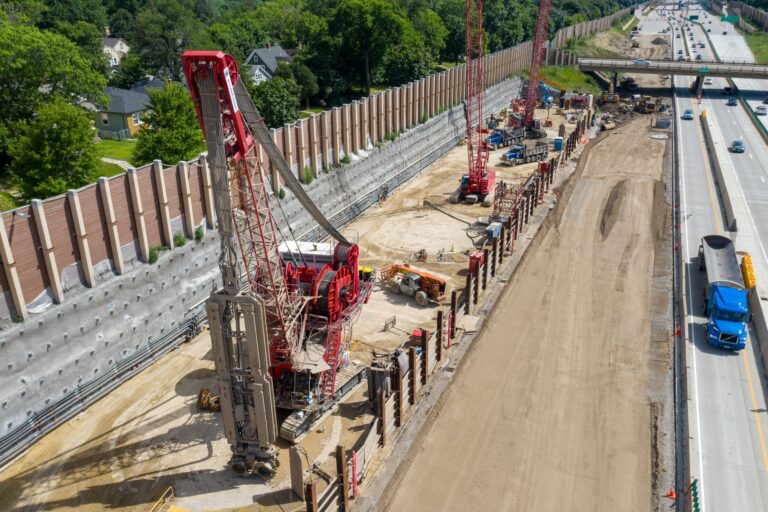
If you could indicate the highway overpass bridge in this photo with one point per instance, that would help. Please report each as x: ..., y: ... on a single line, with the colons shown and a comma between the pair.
x: 662, y: 67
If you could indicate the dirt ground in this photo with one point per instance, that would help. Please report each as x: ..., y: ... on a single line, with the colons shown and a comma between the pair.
x: 147, y: 435
x: 551, y: 409
x: 654, y: 47
x: 402, y: 226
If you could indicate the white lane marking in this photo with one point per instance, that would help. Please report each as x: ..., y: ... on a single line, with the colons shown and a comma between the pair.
x: 693, y: 339
x: 761, y: 178
x: 750, y: 156
x: 741, y: 191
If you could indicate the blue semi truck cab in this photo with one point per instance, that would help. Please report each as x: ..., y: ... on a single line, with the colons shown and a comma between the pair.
x: 725, y: 296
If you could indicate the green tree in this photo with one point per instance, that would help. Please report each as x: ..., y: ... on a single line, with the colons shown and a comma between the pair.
x: 130, y: 71
x: 238, y: 33
x: 88, y: 38
x: 277, y: 100
x: 22, y: 11
x: 121, y: 24
x: 452, y: 13
x: 71, y: 11
x: 431, y: 28
x: 163, y: 30
x: 53, y: 152
x: 39, y: 66
x: 171, y: 131
x: 302, y: 75
x: 367, y: 29
x: 409, y: 60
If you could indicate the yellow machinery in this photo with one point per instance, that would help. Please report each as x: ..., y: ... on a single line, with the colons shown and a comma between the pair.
x: 647, y: 104
x: 747, y: 271
x: 422, y: 285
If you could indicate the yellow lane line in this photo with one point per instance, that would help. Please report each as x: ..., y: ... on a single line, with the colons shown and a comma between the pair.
x: 715, y: 212
x: 754, y: 405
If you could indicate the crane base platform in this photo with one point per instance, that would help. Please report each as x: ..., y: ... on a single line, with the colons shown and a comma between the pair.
x: 300, y: 422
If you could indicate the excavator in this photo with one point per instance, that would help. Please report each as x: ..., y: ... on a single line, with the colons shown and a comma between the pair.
x: 277, y: 322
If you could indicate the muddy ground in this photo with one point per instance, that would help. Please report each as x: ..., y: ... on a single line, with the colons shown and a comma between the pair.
x: 553, y: 410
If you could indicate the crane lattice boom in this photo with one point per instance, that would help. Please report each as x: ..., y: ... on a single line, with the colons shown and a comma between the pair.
x: 539, y: 48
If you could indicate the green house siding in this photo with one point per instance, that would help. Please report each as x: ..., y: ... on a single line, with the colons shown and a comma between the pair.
x: 115, y: 128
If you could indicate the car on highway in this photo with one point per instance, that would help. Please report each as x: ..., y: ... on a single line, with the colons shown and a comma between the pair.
x: 680, y: 57
x: 765, y: 100
x: 699, y: 57
x: 732, y: 102
x: 761, y: 110
x: 701, y: 45
x: 737, y: 146
x: 688, y: 114
x: 641, y: 62
x: 679, y: 52
x: 677, y: 36
x: 725, y: 32
x: 727, y: 90
x: 708, y: 80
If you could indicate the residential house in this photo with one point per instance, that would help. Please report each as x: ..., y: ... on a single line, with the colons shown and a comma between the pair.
x: 122, y: 118
x: 263, y: 62
x: 116, y: 48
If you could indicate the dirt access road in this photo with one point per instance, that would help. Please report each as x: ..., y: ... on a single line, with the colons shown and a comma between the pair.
x: 551, y: 410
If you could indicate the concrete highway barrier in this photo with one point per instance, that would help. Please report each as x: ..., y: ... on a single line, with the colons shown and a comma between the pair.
x: 717, y: 151
x: 759, y: 323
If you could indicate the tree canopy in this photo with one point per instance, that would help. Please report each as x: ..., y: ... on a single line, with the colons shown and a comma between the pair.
x: 171, y: 131
x: 53, y: 152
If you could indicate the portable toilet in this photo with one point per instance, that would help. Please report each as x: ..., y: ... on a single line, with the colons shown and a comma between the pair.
x: 493, y: 230
x: 558, y: 143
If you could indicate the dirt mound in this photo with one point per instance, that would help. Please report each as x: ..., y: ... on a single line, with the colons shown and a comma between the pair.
x: 659, y: 40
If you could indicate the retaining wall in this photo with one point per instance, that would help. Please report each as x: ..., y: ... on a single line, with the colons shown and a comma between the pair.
x: 81, y: 309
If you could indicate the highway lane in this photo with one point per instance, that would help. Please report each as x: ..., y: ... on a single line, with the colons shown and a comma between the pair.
x: 726, y: 449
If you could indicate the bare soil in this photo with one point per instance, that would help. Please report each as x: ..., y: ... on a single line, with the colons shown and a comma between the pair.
x: 551, y: 410
x: 147, y: 435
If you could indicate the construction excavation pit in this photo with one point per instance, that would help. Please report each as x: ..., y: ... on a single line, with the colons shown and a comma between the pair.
x: 512, y: 291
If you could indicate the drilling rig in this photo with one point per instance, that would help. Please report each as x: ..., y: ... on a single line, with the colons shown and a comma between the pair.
x: 277, y: 322
x: 479, y: 183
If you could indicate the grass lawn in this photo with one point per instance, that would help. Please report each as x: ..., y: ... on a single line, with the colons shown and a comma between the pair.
x: 758, y: 43
x: 570, y: 79
x: 109, y: 170
x: 7, y: 202
x: 445, y: 66
x: 116, y: 149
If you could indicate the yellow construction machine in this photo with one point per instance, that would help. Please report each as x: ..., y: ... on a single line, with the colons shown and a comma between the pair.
x: 422, y: 285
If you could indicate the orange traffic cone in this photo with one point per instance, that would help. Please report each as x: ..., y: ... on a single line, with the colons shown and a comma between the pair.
x: 671, y: 494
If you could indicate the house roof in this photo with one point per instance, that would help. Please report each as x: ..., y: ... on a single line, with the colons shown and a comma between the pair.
x: 113, y: 41
x: 123, y: 101
x: 143, y: 85
x: 268, y: 56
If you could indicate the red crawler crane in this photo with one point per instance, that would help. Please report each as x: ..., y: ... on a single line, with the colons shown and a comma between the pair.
x: 479, y: 183
x: 279, y: 342
x: 539, y: 49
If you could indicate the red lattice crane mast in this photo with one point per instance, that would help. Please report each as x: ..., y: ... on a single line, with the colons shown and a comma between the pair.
x: 478, y: 184
x: 537, y: 59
